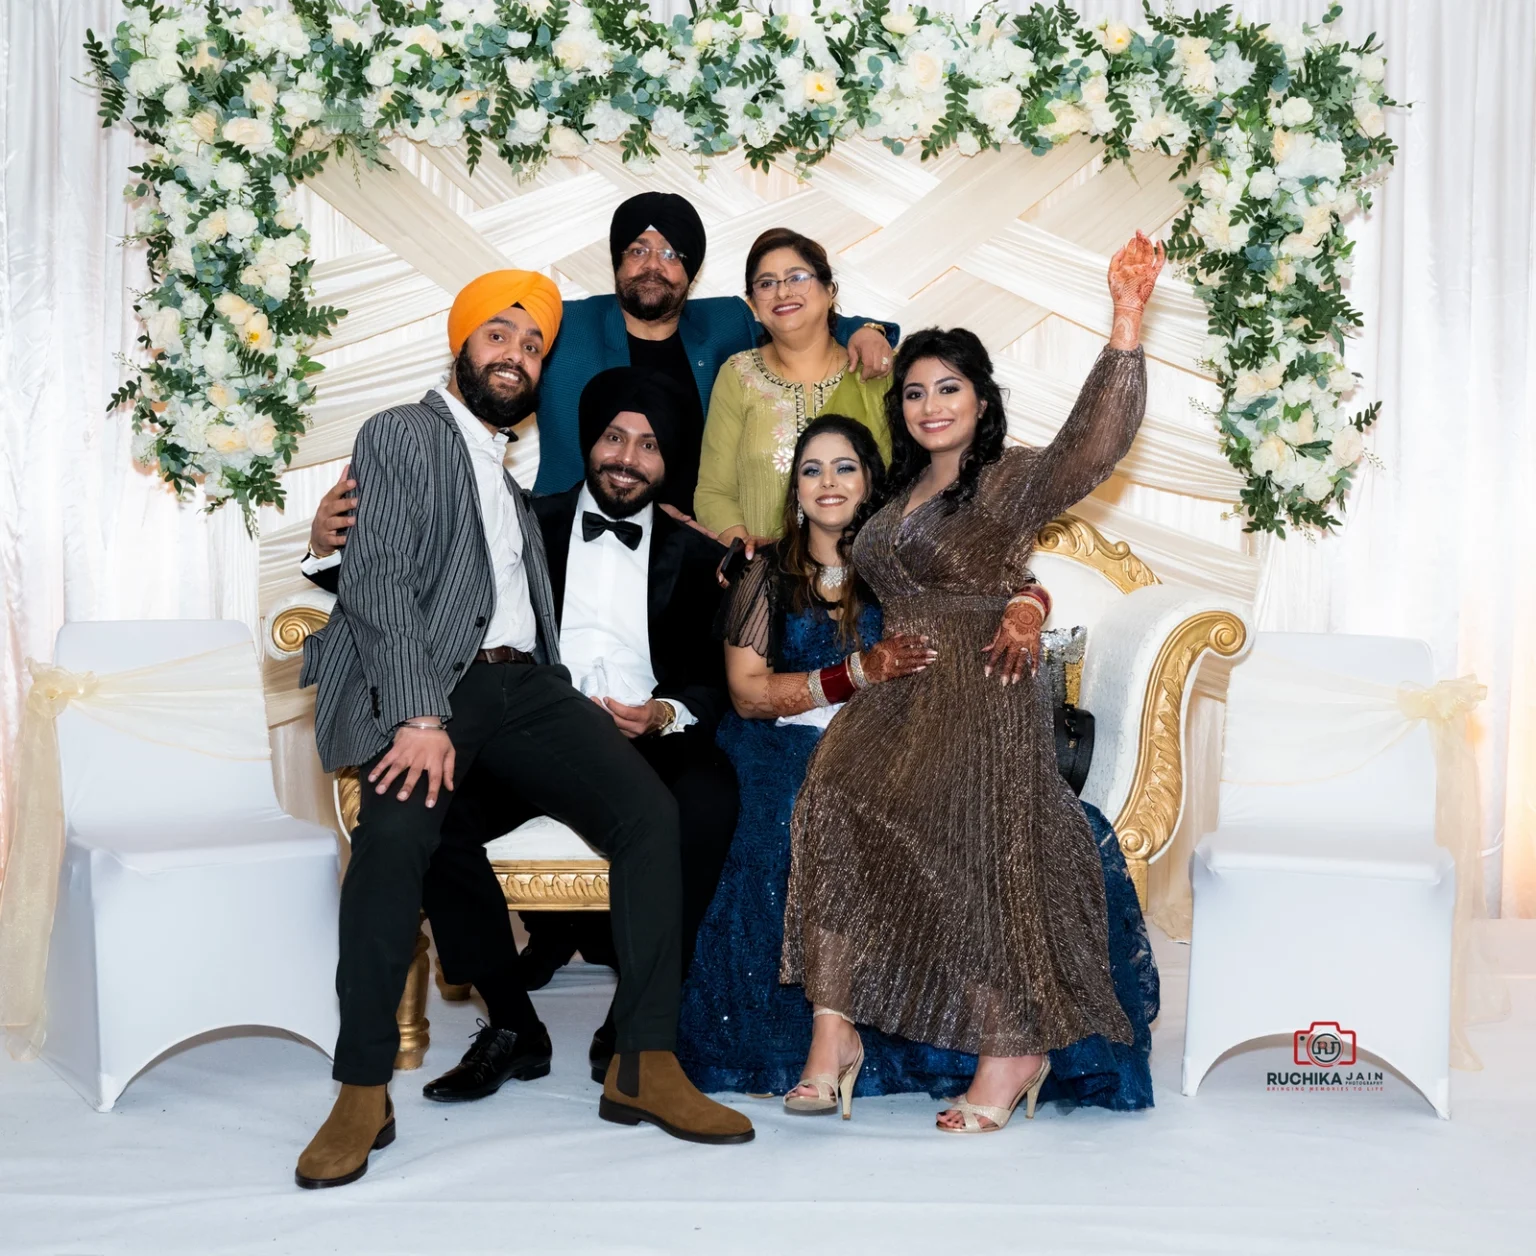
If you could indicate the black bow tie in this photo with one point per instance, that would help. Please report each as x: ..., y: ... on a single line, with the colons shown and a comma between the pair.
x: 594, y: 525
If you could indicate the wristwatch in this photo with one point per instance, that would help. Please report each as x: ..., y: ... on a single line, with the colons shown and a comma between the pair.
x: 671, y: 713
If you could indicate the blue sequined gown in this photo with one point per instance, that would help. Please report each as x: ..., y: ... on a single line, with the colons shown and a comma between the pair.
x: 741, y: 1031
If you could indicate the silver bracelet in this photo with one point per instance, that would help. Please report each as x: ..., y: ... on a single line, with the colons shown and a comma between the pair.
x: 856, y: 670
x: 818, y: 694
x: 425, y: 728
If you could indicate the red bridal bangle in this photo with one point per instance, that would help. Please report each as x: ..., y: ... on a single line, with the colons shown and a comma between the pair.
x: 836, y: 683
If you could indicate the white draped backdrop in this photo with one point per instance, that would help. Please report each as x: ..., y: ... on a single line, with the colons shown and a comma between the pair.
x: 1439, y: 532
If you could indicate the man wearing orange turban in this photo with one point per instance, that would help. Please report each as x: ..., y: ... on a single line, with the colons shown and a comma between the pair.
x: 443, y: 652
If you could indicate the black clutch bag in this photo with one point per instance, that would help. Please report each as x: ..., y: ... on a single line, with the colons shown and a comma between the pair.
x: 1074, y: 745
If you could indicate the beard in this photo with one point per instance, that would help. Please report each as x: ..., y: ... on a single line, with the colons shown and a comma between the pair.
x: 650, y: 298
x: 633, y: 502
x: 489, y: 398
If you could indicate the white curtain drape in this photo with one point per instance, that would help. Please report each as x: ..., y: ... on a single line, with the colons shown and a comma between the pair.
x: 1433, y: 545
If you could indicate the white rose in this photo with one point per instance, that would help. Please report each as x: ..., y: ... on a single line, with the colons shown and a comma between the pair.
x: 225, y: 438
x: 1115, y: 37
x: 704, y: 32
x: 302, y: 107
x: 1020, y: 61
x: 995, y: 107
x: 1370, y: 118
x: 655, y: 62
x: 290, y: 249
x: 230, y: 175
x: 1213, y: 184
x: 218, y: 357
x: 1095, y: 89
x: 177, y: 98
x: 1347, y: 446
x: 1262, y: 183
x: 1318, y: 486
x: 608, y: 122
x: 164, y: 328
x: 145, y: 78
x: 1268, y: 457
x: 261, y: 432
x: 752, y: 25
x: 206, y: 126
x: 924, y: 71
x: 565, y: 142
x: 1341, y: 380
x: 968, y: 144
x: 381, y: 70
x: 234, y: 307
x: 899, y: 23
x: 251, y: 134
x: 220, y: 396
x: 425, y: 37
x: 520, y: 73
x: 1297, y: 111
x: 214, y: 227
x: 276, y: 279
x: 821, y: 86
x: 1294, y: 470
x: 240, y: 222
x: 1372, y: 67
x: 345, y: 31
x: 179, y: 257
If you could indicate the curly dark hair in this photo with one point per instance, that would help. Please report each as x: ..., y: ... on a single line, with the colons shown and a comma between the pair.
x: 796, y: 565
x: 962, y: 351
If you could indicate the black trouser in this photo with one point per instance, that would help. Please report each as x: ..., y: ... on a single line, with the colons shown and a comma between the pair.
x: 701, y: 779
x: 524, y: 730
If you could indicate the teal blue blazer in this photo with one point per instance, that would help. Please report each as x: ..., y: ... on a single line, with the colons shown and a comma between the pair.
x: 592, y: 339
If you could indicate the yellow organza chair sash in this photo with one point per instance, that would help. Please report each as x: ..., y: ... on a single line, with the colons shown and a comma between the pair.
x: 210, y: 703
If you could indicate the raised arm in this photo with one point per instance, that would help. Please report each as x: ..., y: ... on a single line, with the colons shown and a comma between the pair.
x: 1113, y: 400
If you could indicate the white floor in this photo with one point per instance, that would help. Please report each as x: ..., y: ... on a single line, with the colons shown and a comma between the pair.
x: 198, y: 1157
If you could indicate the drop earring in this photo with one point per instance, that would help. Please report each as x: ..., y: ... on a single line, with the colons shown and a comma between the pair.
x: 799, y: 515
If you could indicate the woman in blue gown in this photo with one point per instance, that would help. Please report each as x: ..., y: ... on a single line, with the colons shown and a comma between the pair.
x: 740, y: 1030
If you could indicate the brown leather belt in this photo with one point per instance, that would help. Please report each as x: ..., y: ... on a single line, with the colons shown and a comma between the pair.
x: 503, y: 654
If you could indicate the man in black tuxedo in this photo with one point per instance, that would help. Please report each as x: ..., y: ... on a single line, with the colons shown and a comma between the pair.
x: 635, y: 596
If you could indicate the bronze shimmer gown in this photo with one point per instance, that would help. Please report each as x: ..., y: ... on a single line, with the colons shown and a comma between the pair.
x: 944, y: 883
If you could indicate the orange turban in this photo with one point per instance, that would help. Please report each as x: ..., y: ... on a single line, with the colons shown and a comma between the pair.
x: 488, y: 295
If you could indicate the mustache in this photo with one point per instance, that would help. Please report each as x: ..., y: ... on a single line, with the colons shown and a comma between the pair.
x: 639, y: 475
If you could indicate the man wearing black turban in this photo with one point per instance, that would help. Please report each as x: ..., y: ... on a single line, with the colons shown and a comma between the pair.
x: 635, y: 596
x: 657, y: 244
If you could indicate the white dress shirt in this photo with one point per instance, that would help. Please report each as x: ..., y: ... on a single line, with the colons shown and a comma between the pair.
x: 512, y: 620
x: 605, y: 634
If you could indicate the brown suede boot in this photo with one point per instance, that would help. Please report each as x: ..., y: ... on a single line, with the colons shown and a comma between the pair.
x: 362, y: 1120
x: 651, y: 1086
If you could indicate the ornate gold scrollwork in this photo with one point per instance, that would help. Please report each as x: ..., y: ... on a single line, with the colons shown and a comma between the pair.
x: 554, y: 885
x: 1151, y: 811
x: 1078, y: 539
x: 290, y: 627
x: 349, y: 798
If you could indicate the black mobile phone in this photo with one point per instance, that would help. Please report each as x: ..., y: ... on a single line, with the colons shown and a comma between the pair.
x: 734, y: 562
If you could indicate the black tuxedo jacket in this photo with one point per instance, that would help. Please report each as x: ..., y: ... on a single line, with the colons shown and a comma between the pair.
x: 683, y: 597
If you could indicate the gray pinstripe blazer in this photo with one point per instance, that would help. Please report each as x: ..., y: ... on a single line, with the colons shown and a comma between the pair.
x: 416, y: 588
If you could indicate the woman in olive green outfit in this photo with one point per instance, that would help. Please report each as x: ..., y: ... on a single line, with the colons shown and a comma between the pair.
x: 763, y: 398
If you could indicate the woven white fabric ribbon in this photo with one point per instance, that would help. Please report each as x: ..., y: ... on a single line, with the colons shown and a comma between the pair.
x: 1317, y: 725
x: 210, y: 703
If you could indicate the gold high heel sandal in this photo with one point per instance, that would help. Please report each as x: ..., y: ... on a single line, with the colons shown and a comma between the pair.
x: 829, y: 1089
x: 973, y: 1112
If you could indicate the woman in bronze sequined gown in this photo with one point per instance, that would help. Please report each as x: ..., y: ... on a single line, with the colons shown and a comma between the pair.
x: 945, y: 885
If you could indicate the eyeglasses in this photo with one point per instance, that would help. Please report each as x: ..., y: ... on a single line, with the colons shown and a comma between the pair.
x: 640, y: 252
x: 797, y: 281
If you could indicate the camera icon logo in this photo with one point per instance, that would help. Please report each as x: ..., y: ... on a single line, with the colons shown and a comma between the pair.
x: 1324, y: 1044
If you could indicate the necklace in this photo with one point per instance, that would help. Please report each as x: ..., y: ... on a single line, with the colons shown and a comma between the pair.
x: 833, y: 577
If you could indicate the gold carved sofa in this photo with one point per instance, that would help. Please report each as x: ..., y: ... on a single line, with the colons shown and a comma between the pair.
x: 1144, y: 642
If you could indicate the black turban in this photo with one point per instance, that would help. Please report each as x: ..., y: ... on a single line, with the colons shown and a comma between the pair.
x: 622, y: 388
x: 670, y: 214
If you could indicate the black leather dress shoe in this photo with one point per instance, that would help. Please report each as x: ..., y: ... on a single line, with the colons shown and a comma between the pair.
x: 601, y: 1050
x: 495, y: 1056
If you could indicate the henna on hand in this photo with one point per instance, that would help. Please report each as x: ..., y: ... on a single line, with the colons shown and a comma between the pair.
x: 900, y: 654
x: 1133, y: 274
x: 1017, y: 643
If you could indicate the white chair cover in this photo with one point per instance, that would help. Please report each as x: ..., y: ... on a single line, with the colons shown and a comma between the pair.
x: 1291, y: 723
x: 210, y: 704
